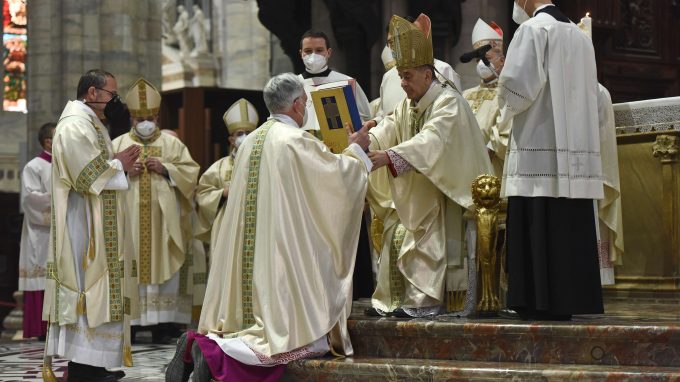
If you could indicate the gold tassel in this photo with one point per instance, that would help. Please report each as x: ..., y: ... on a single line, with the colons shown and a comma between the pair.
x: 127, y: 356
x: 80, y: 308
x: 48, y: 374
x: 91, y: 251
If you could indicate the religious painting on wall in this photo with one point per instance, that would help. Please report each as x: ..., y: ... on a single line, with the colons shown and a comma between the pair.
x: 14, y: 41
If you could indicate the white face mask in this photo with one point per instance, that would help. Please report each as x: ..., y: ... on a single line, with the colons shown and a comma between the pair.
x: 304, y: 118
x: 484, y: 72
x: 387, y: 58
x: 239, y: 140
x: 145, y: 128
x: 315, y: 63
x: 519, y: 15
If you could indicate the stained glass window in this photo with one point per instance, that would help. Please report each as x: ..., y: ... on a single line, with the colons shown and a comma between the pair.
x: 14, y: 42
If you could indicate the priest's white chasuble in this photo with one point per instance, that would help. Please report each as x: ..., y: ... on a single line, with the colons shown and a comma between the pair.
x: 91, y: 286
x: 36, y: 190
x: 160, y: 217
x: 209, y: 194
x: 282, y: 263
x: 610, y: 241
x: 423, y: 243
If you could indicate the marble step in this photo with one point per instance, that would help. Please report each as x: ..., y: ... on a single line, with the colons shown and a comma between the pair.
x: 583, y: 341
x: 380, y: 369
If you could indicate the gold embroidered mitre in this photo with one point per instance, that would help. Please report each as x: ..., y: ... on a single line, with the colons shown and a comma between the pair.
x: 241, y: 115
x: 143, y: 99
x: 412, y: 42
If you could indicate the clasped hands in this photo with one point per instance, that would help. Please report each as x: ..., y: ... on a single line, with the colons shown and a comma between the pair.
x: 129, y: 159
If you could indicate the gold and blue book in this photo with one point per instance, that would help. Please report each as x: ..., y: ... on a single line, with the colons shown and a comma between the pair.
x: 335, y: 106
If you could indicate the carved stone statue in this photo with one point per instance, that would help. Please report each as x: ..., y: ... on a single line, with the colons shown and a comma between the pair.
x: 166, y: 22
x: 199, y: 30
x: 181, y: 30
x: 486, y: 191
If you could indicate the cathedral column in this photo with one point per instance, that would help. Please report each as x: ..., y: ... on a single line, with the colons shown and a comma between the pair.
x: 68, y: 37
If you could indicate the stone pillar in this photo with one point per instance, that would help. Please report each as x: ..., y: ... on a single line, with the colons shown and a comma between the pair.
x: 241, y: 45
x: 68, y: 37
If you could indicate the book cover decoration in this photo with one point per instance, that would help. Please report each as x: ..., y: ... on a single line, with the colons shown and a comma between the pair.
x: 335, y: 105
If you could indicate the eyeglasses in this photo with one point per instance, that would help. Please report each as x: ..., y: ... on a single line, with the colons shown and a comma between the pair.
x: 241, y: 133
x: 113, y: 94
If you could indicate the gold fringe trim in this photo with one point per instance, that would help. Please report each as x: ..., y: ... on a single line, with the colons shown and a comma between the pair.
x: 127, y: 356
x: 455, y: 300
x: 48, y: 374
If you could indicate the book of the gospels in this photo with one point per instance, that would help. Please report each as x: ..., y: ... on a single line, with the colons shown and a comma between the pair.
x: 335, y: 106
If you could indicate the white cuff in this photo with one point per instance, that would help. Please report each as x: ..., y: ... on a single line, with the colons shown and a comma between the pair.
x: 115, y: 163
x: 117, y: 182
x: 360, y: 154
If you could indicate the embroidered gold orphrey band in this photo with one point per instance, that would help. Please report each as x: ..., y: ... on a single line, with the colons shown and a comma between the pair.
x: 145, y: 214
x: 396, y: 278
x: 248, y: 253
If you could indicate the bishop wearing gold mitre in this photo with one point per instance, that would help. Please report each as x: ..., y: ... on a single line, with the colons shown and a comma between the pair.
x: 213, y: 187
x: 433, y: 150
x: 162, y: 183
x: 483, y: 98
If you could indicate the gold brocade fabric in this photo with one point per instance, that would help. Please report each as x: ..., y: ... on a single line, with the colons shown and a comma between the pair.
x: 439, y: 137
x: 412, y: 48
x: 160, y: 207
x: 309, y: 205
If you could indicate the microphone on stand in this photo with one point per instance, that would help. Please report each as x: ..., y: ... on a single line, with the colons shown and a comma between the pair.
x: 477, y: 53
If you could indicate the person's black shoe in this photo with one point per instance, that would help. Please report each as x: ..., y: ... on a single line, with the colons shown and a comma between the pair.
x: 201, y: 369
x: 508, y: 313
x: 118, y: 374
x: 79, y: 372
x: 399, y: 313
x: 372, y: 312
x: 178, y: 370
x: 42, y: 338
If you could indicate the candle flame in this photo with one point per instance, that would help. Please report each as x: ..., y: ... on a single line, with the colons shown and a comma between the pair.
x: 587, y: 14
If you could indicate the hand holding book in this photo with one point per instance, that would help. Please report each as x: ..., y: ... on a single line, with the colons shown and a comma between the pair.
x: 359, y: 137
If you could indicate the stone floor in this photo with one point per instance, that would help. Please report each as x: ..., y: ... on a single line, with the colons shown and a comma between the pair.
x: 645, y: 318
x: 22, y: 360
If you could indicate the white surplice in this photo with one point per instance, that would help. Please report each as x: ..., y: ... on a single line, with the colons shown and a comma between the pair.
x: 36, y: 190
x: 548, y: 87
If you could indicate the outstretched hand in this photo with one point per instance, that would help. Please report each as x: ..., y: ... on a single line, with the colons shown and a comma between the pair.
x: 128, y: 156
x: 359, y: 137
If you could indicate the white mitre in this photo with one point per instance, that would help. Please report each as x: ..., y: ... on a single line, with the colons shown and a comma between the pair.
x: 483, y: 34
x: 241, y: 115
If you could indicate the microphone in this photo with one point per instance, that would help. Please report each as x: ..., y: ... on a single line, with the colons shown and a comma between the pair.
x: 477, y: 53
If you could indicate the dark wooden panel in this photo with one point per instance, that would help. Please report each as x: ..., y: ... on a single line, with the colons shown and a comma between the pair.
x: 196, y: 114
x: 636, y: 45
x: 10, y: 236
